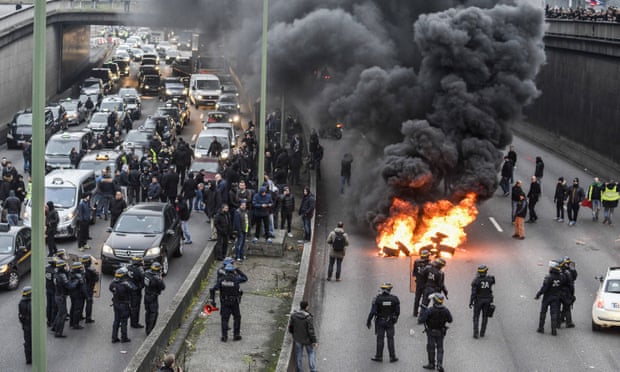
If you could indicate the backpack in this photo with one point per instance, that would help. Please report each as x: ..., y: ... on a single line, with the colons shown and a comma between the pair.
x: 339, y: 242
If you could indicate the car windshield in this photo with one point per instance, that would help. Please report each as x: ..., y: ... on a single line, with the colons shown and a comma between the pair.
x: 63, y: 197
x: 97, y: 165
x: 61, y: 147
x: 127, y: 92
x: 133, y: 224
x: 218, y: 117
x: 24, y: 120
x: 111, y: 106
x: 175, y: 86
x: 168, y: 111
x: 99, y: 118
x: 613, y: 286
x: 207, y: 84
x: 70, y: 105
x: 138, y: 137
x: 228, y: 99
x: 204, y: 142
x: 6, y: 244
x: 131, y: 100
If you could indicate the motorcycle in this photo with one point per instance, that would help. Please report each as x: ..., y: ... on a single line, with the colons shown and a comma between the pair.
x: 332, y: 132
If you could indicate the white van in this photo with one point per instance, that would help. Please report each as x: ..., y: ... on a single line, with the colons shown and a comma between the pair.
x: 65, y: 187
x: 205, y: 138
x: 204, y: 89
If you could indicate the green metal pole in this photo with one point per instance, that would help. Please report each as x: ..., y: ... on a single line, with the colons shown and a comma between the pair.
x: 39, y: 328
x: 263, y: 98
x: 282, y: 120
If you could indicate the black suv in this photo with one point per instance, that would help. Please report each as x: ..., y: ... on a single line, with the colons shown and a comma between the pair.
x: 148, y: 230
x: 20, y: 128
x: 15, y: 254
x: 172, y: 88
x: 164, y: 126
x: 149, y: 85
x: 106, y: 76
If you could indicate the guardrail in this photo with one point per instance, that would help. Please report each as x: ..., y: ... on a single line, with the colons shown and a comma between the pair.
x: 583, y: 29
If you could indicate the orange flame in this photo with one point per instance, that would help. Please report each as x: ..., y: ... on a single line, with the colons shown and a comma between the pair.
x: 414, y: 229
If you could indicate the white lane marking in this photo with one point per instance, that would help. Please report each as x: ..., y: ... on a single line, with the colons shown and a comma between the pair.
x: 497, y: 226
x: 194, y: 137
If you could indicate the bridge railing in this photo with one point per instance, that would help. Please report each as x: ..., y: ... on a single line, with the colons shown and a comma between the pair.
x: 584, y: 29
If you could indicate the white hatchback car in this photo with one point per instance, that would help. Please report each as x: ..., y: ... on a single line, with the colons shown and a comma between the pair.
x: 606, y: 307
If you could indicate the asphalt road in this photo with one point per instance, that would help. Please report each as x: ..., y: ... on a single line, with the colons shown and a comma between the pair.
x: 90, y: 349
x: 511, y: 343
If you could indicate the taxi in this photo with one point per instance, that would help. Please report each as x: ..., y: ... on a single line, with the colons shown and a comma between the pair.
x: 98, y: 161
x: 606, y: 306
x: 15, y: 254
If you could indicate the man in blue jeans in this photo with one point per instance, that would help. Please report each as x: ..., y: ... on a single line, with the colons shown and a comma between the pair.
x: 301, y: 327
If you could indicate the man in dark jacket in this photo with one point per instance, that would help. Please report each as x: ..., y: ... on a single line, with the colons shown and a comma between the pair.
x: 133, y: 188
x: 385, y: 310
x: 241, y: 223
x: 286, y: 206
x: 575, y: 197
x: 435, y: 319
x: 559, y: 197
x: 301, y: 326
x: 223, y: 226
x: 154, y: 190
x: 594, y: 196
x: 506, y: 175
x: 188, y: 190
x: 180, y: 206
x: 533, y: 195
x: 517, y: 190
x: 306, y: 211
x: 182, y: 159
x: 25, y: 318
x: 51, y: 227
x: 117, y: 206
x: 213, y: 203
x: 83, y: 216
x: 13, y: 207
x: 262, y: 206
x: 169, y: 185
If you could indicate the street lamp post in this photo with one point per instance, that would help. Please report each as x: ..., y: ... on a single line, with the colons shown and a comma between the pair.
x: 263, y: 98
x: 39, y: 354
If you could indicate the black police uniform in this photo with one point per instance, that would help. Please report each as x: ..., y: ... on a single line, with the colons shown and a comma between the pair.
x: 92, y: 277
x: 62, y: 286
x: 121, y: 294
x: 153, y: 285
x: 230, y: 296
x: 551, y: 291
x: 567, y: 298
x: 50, y: 305
x: 25, y: 318
x: 418, y: 269
x: 77, y: 293
x: 481, y: 299
x: 435, y: 319
x: 136, y: 275
x: 433, y: 282
x: 386, y: 310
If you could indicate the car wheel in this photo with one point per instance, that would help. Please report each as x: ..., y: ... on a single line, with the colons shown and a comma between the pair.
x: 595, y: 327
x: 164, y: 264
x: 13, y: 282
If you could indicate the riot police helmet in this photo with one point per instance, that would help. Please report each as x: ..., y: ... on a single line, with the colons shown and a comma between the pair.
x: 483, y: 269
x: 387, y: 286
x: 137, y: 260
x: 60, y: 264
x: 76, y: 266
x: 425, y: 253
x: 156, y: 266
x: 554, y: 267
x: 27, y: 291
x: 229, y: 268
x: 228, y: 261
x: 565, y: 261
x: 61, y: 253
x: 121, y: 273
x: 437, y: 298
x: 439, y: 262
x: 86, y: 260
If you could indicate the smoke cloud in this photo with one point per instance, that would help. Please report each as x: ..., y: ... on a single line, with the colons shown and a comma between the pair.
x: 427, y: 90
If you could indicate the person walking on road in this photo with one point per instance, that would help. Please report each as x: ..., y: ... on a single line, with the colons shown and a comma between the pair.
x: 559, y: 197
x: 92, y: 277
x: 306, y: 211
x: 83, y: 215
x: 117, y: 206
x: 609, y: 198
x: 520, y: 213
x: 575, y: 197
x: 230, y: 297
x: 517, y: 190
x: 433, y: 281
x: 385, y: 310
x: 121, y: 288
x: 62, y: 286
x: 241, y: 223
x: 51, y: 227
x: 223, y: 228
x: 418, y: 268
x: 153, y: 286
x: 506, y: 176
x: 594, y: 196
x: 338, y: 240
x: 481, y: 299
x: 539, y: 171
x: 25, y: 318
x: 533, y: 195
x: 136, y: 277
x: 435, y: 319
x: 301, y: 327
x: 345, y: 171
x: 551, y: 291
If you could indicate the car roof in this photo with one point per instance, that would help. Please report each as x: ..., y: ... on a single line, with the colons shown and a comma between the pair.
x: 147, y: 208
x: 69, y: 135
x: 218, y: 132
x: 100, y: 155
x: 61, y: 177
x: 613, y: 272
x: 6, y: 229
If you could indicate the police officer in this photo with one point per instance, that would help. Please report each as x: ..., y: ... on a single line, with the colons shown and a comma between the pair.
x: 481, y: 298
x: 435, y: 319
x: 568, y: 291
x: 92, y: 277
x: 230, y: 296
x: 121, y: 288
x: 385, y: 309
x: 25, y: 318
x: 433, y: 280
x: 50, y: 305
x: 153, y: 285
x: 221, y: 271
x: 136, y: 275
x: 551, y: 291
x: 61, y: 289
x: 77, y: 293
x: 418, y: 268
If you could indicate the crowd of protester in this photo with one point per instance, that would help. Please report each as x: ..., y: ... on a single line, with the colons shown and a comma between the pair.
x: 609, y: 14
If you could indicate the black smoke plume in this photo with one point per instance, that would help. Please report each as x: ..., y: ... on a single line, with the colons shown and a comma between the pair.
x: 427, y: 89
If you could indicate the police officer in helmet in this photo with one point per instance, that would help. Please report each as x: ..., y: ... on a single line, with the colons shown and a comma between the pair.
x: 435, y: 318
x: 230, y: 296
x: 153, y: 285
x: 61, y: 290
x: 121, y: 288
x: 25, y: 318
x: 568, y: 291
x: 418, y: 268
x: 77, y: 294
x: 91, y: 277
x: 136, y: 276
x: 433, y: 280
x: 385, y: 310
x: 50, y: 304
x: 551, y: 291
x: 481, y: 298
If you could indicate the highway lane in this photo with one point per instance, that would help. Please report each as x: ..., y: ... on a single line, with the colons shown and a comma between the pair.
x: 511, y: 343
x: 90, y: 349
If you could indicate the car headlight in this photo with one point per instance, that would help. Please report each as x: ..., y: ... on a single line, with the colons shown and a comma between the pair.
x: 200, y: 96
x: 217, y: 105
x: 238, y: 106
x: 236, y: 118
x: 68, y: 217
x: 107, y: 249
x: 185, y: 91
x: 26, y: 215
x: 155, y: 251
x: 4, y: 269
x: 197, y: 155
x: 224, y: 155
x: 146, y: 87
